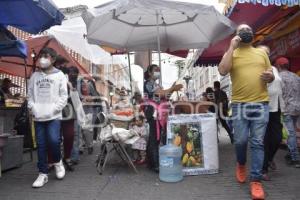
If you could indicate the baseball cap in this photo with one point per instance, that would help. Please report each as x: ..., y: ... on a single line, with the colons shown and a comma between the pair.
x: 282, y: 61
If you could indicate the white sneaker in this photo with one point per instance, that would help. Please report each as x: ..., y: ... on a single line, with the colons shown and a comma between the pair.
x: 59, y: 170
x: 41, y: 180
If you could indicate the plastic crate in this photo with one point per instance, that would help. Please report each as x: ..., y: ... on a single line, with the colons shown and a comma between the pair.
x: 12, y: 152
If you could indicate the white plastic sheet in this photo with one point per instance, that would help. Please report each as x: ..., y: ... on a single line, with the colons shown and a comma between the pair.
x: 198, y: 139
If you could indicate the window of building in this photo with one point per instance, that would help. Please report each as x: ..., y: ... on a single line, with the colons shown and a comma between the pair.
x: 201, y: 81
x: 206, y: 76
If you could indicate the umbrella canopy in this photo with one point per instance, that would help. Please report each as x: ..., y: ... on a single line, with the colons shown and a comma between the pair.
x: 134, y: 25
x: 15, y: 66
x: 71, y: 33
x: 32, y: 16
x: 10, y: 46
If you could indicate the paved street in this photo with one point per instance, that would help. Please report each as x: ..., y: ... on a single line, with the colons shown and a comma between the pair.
x: 119, y: 182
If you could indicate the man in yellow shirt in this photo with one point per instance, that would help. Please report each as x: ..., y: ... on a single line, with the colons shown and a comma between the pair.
x: 250, y: 71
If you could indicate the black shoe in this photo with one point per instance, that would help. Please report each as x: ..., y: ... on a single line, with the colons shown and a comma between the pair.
x: 231, y: 140
x: 287, y: 157
x: 80, y: 152
x: 74, y: 162
x: 156, y: 169
x: 295, y: 163
x: 272, y: 165
x: 69, y: 165
x: 90, y: 150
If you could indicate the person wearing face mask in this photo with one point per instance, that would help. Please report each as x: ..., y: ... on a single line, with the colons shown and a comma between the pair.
x: 90, y: 100
x: 273, y: 136
x: 291, y: 113
x: 123, y: 102
x: 47, y: 96
x: 68, y: 120
x: 250, y: 71
x: 155, y: 95
x: 60, y: 62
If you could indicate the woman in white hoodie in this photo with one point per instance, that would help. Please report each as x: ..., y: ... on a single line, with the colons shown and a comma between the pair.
x: 47, y: 96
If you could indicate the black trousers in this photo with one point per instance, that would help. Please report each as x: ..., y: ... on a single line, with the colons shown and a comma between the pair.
x: 225, y: 125
x: 272, y: 138
x: 152, y: 145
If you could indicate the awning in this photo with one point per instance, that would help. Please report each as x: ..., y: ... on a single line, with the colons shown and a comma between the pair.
x: 289, y: 3
x: 261, y: 18
x: 15, y: 66
x: 251, y: 14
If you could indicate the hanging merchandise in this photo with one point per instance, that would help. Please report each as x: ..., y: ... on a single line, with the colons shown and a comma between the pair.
x: 196, y: 134
x: 289, y: 3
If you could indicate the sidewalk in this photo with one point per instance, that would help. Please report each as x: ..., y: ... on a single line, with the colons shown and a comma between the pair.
x: 119, y: 182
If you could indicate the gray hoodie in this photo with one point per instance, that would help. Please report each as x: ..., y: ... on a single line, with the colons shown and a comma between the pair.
x: 47, y: 95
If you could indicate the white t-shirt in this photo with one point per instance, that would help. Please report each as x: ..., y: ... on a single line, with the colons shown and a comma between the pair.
x: 275, y: 93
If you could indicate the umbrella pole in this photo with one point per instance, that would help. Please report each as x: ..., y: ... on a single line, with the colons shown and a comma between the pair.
x: 25, y: 63
x: 158, y: 47
x: 130, y: 76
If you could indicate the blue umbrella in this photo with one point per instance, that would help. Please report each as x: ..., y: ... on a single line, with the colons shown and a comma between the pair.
x: 10, y: 46
x: 32, y: 16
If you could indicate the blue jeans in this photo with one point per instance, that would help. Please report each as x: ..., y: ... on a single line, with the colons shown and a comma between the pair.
x: 249, y: 123
x: 47, y: 135
x: 75, y: 150
x: 290, y: 124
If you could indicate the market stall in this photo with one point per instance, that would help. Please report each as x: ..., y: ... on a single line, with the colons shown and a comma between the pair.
x: 22, y: 15
x: 144, y: 26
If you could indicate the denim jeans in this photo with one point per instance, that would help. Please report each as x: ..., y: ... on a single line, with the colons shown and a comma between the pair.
x: 290, y: 124
x: 75, y: 150
x: 47, y: 135
x: 249, y: 123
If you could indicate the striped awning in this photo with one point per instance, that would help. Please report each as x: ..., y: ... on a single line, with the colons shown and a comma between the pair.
x: 289, y: 3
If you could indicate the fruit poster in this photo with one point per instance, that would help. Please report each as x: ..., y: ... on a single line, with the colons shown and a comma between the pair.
x: 197, y: 136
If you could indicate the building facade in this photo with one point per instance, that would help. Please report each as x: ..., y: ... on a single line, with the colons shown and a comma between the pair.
x: 202, y: 78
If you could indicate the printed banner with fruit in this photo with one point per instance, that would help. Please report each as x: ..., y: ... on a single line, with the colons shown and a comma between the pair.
x: 196, y: 135
x: 188, y: 136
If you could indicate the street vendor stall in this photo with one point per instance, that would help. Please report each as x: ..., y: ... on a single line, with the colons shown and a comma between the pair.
x: 157, y: 25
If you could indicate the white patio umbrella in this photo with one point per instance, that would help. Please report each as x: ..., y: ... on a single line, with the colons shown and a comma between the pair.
x: 71, y: 33
x: 134, y: 25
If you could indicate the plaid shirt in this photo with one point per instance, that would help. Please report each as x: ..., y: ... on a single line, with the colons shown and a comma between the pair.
x: 290, y: 93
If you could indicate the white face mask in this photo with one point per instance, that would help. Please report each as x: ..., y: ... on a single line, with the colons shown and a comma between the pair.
x: 156, y: 75
x: 44, y: 63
